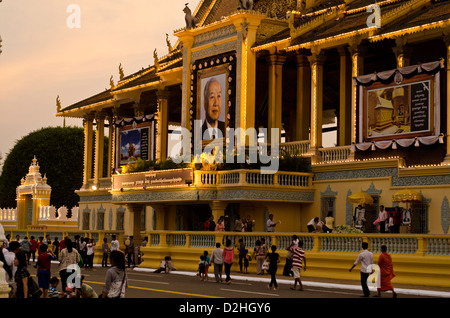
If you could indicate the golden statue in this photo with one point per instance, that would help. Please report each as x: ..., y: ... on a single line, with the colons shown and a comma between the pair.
x: 121, y: 74
x: 58, y: 104
x: 155, y: 57
x: 169, y: 45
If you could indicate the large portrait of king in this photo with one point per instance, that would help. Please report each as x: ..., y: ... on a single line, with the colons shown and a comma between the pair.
x: 212, y: 101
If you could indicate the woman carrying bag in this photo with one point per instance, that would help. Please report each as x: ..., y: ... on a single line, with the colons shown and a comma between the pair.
x: 116, y: 277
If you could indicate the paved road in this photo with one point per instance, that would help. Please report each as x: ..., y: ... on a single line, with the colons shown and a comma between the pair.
x: 146, y: 284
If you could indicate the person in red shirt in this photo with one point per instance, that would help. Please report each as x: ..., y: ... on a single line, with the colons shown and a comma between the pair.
x: 33, y: 248
x: 43, y: 268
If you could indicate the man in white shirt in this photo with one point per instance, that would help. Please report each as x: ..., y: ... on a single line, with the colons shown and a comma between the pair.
x: 114, y: 243
x: 366, y: 259
x: 383, y: 216
x: 271, y: 224
x: 217, y: 260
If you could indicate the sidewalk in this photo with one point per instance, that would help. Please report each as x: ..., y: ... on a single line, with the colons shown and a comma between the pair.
x: 430, y: 291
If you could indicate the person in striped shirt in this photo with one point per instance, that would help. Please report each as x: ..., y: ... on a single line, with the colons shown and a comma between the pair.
x: 298, y: 260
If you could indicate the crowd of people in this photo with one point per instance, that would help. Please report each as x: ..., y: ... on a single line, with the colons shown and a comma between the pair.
x: 19, y: 255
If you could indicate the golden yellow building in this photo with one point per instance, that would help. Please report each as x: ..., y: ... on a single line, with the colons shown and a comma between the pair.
x: 304, y: 68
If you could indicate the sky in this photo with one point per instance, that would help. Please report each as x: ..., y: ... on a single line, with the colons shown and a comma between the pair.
x: 50, y: 50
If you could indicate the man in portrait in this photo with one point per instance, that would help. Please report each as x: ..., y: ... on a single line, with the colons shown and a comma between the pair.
x: 212, y: 126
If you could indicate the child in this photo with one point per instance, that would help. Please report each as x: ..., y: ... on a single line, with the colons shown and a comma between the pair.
x: 201, y: 267
x: 162, y: 267
x: 69, y: 292
x: 207, y: 263
x: 53, y: 290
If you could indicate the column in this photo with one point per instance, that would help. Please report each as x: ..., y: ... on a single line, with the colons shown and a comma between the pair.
x: 134, y: 225
x: 88, y: 131
x: 162, y: 124
x: 447, y: 138
x: 275, y: 102
x: 110, y: 146
x: 99, y: 148
x: 161, y: 217
x: 357, y: 54
x: 345, y: 82
x: 316, y: 60
x: 303, y: 97
x: 217, y: 209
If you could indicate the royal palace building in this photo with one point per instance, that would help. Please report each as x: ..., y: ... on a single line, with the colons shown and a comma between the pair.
x: 346, y: 98
x: 284, y: 109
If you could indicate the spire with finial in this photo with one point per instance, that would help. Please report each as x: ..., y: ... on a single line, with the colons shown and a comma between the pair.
x: 111, y: 82
x: 58, y: 104
x: 121, y: 74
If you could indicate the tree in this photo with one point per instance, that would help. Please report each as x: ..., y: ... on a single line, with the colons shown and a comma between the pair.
x: 59, y: 151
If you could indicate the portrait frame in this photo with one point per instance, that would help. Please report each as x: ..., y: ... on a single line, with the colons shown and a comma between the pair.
x: 387, y: 115
x: 221, y: 74
x: 224, y: 63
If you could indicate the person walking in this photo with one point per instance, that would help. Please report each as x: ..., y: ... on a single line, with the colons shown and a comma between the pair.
x: 298, y: 261
x: 228, y: 257
x: 33, y: 248
x: 273, y: 259
x: 217, y: 260
x: 259, y: 254
x: 25, y: 245
x: 287, y: 271
x: 68, y: 258
x: 241, y: 252
x: 44, y: 268
x: 366, y: 259
x: 21, y: 276
x: 106, y: 251
x: 116, y: 277
x: 386, y: 272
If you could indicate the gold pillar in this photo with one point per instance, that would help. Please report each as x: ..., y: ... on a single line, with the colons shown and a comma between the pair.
x: 161, y: 217
x: 99, y: 148
x: 110, y: 146
x: 316, y: 60
x: 303, y: 97
x: 134, y: 227
x: 88, y: 131
x: 357, y: 54
x: 162, y: 122
x: 276, y: 62
x: 217, y: 209
x: 345, y: 91
x: 447, y: 45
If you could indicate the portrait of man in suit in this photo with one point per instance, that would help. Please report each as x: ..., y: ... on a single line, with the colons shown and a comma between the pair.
x: 213, y: 108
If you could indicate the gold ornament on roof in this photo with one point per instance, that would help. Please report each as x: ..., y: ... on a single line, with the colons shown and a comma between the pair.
x: 121, y: 74
x: 111, y: 82
x: 155, y: 57
x: 169, y: 45
x: 58, y: 104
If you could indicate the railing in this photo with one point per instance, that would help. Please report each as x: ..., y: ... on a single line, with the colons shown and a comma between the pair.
x: 334, y: 153
x: 295, y: 147
x: 413, y: 244
x: 252, y: 177
x: 8, y: 215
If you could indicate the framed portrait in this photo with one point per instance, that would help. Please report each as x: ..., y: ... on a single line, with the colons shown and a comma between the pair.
x: 398, y: 110
x: 212, y: 100
x: 134, y: 140
x: 213, y: 95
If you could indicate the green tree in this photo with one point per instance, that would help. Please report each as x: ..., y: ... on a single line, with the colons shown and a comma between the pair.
x: 59, y: 151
